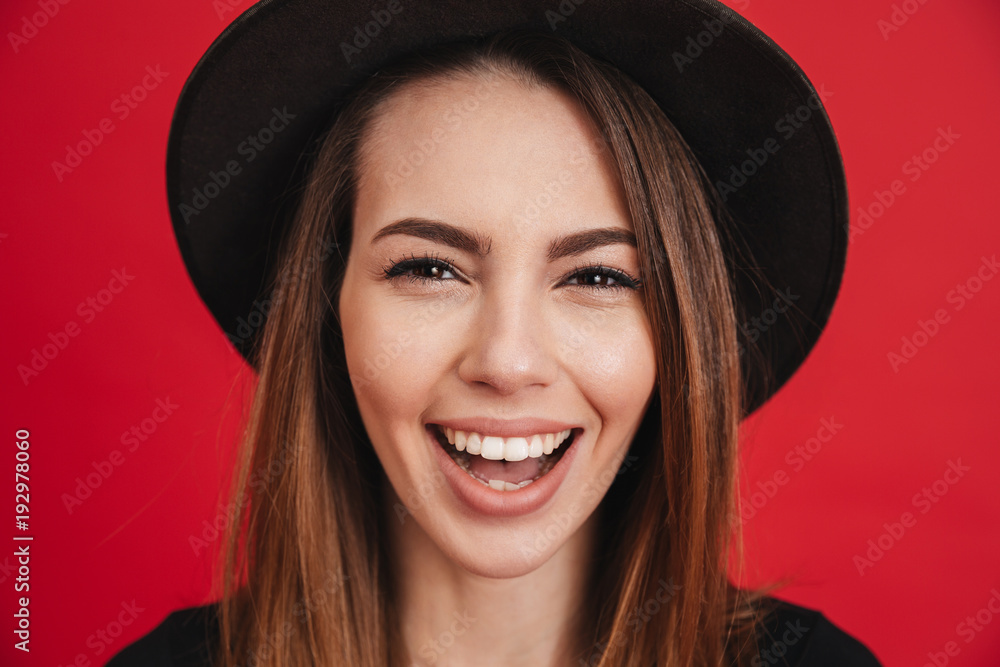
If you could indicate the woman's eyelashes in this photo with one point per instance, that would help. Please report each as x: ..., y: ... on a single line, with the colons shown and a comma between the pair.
x: 600, y: 272
x: 431, y: 268
x: 428, y: 268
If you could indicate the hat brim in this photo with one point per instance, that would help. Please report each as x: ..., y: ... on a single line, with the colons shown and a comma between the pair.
x: 260, y: 96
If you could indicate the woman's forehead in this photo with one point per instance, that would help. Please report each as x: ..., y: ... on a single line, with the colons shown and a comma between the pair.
x: 487, y: 149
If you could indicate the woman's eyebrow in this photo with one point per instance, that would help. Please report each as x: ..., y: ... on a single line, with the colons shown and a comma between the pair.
x: 439, y: 232
x: 477, y: 244
x: 589, y: 239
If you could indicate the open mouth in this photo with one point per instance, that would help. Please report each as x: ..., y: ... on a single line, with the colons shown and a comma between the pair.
x: 504, y: 464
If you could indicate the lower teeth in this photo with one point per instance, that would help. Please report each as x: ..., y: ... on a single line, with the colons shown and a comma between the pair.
x: 462, y: 459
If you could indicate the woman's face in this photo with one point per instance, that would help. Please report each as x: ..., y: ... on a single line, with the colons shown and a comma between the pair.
x: 490, y: 289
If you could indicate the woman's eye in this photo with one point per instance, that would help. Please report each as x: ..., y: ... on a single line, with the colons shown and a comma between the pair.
x: 604, y: 277
x: 432, y: 269
x: 422, y: 269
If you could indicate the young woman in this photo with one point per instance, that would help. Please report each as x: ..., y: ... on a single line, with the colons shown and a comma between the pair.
x: 497, y: 424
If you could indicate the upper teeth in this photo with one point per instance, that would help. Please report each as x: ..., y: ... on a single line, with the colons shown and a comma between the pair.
x: 496, y: 448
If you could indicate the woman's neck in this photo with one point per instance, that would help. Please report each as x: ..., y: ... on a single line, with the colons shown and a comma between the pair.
x: 450, y: 617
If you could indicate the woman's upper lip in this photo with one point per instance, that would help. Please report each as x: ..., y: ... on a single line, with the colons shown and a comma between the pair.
x: 506, y: 428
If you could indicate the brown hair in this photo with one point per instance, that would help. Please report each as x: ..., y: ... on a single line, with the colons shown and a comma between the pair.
x: 305, y: 576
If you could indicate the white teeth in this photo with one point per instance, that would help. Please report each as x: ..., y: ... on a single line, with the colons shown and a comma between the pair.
x: 537, y: 446
x: 515, y: 449
x: 495, y: 448
x: 500, y: 485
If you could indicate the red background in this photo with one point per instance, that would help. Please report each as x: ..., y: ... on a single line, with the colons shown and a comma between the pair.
x: 129, y: 541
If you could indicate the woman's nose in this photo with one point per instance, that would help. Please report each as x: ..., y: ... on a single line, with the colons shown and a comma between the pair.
x: 509, y: 343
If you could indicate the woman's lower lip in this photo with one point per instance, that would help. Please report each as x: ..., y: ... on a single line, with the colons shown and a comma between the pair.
x: 488, y: 501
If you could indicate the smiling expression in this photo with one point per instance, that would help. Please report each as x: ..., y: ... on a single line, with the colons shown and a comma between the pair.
x: 491, y: 298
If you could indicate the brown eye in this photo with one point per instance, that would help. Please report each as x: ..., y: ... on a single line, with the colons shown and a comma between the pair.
x: 594, y: 279
x: 603, y: 277
x: 423, y: 269
x: 428, y: 271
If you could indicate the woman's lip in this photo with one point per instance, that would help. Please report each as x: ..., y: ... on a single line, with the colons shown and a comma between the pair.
x: 485, y: 500
x: 506, y: 428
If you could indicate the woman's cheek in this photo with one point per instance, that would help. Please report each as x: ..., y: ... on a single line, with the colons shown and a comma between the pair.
x: 610, y: 354
x: 397, y: 346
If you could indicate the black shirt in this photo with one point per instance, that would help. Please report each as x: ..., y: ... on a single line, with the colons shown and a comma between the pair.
x: 797, y: 637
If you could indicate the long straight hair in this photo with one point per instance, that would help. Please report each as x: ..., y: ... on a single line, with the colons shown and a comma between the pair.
x: 305, y: 574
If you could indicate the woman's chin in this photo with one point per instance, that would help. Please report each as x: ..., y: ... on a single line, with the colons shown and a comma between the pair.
x: 508, y: 557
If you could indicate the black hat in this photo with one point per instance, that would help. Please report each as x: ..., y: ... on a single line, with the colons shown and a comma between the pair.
x: 259, y: 98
